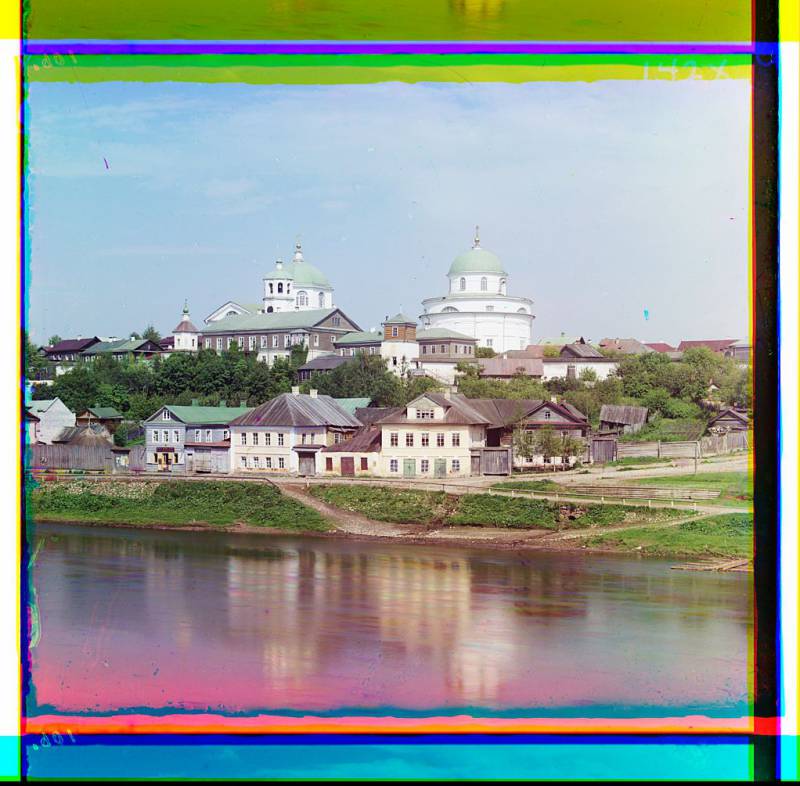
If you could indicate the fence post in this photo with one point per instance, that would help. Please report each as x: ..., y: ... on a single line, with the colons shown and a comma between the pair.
x: 658, y: 449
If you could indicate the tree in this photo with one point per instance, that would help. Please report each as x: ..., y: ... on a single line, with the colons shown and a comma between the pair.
x: 121, y: 435
x: 587, y: 375
x: 54, y: 339
x: 571, y: 446
x: 33, y: 362
x: 547, y: 443
x: 151, y: 334
x: 484, y: 352
x: 523, y: 442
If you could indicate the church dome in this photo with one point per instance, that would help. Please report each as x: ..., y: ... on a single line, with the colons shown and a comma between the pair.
x: 476, y: 260
x: 301, y: 272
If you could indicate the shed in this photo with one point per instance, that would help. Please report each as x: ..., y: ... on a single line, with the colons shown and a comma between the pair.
x: 622, y: 418
x: 728, y: 420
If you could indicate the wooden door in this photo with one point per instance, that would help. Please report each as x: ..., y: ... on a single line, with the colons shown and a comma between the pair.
x: 409, y: 468
x: 475, y: 464
x: 348, y: 465
x: 307, y: 464
x: 440, y: 468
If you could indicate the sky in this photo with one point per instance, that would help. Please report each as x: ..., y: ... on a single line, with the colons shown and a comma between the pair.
x: 619, y: 207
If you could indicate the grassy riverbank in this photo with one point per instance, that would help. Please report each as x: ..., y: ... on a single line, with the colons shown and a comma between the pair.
x: 727, y: 535
x: 735, y: 488
x: 175, y: 504
x: 405, y: 506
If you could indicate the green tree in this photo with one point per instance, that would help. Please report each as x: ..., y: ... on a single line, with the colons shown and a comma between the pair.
x: 587, y: 375
x: 484, y: 352
x: 524, y: 443
x: 151, y: 334
x: 121, y: 435
x: 54, y: 339
x: 548, y: 443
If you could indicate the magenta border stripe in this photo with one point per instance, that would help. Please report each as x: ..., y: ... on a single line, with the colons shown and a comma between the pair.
x: 40, y: 47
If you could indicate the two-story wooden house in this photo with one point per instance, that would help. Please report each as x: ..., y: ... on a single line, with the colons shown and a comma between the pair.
x: 183, y: 439
x: 286, y: 434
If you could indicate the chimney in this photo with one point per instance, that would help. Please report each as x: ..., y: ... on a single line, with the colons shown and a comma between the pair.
x: 195, y: 402
x: 133, y: 338
x: 222, y: 402
x: 313, y: 393
x: 295, y: 390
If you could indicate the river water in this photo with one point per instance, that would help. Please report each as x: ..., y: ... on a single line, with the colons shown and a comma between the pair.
x: 144, y: 619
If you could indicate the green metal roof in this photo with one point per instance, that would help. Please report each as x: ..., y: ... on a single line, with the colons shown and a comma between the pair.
x: 439, y: 333
x: 205, y: 415
x: 400, y: 319
x: 104, y: 413
x: 350, y: 405
x: 277, y: 320
x: 123, y: 345
x: 360, y: 337
x: 476, y: 260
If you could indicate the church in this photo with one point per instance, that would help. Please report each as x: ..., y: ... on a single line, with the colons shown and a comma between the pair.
x: 477, y: 303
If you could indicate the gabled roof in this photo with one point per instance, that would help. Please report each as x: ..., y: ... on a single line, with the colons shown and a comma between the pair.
x: 715, y: 345
x: 31, y: 416
x: 168, y: 342
x: 277, y: 320
x: 123, y: 345
x: 531, y: 351
x: 561, y: 340
x: 84, y: 435
x: 103, y: 413
x: 437, y: 334
x: 39, y: 406
x: 370, y: 415
x: 72, y: 345
x: 298, y: 409
x: 324, y: 363
x: 360, y: 337
x: 201, y: 416
x: 627, y: 346
x: 735, y: 414
x: 458, y: 410
x: 626, y: 415
x: 579, y: 350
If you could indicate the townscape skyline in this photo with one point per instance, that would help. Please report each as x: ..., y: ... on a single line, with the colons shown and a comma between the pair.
x: 620, y: 208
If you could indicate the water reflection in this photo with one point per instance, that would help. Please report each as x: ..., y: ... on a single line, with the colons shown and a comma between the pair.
x: 146, y: 619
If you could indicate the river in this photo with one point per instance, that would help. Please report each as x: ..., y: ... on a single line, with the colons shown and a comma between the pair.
x: 293, y: 624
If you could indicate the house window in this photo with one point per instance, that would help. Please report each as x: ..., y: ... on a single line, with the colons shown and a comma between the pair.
x: 424, y: 466
x: 263, y: 342
x: 456, y: 440
x: 226, y: 434
x: 393, y: 465
x: 337, y: 438
x: 484, y: 284
x: 209, y: 436
x: 409, y: 439
x: 456, y: 465
x: 443, y: 348
x: 425, y: 414
x: 197, y: 435
x: 457, y: 347
x: 255, y: 438
x: 440, y: 440
x: 490, y: 308
x: 255, y: 462
x: 302, y: 298
x: 489, y: 342
x: 364, y: 463
x: 176, y: 437
x: 463, y: 284
x: 287, y: 340
x: 394, y: 439
x: 166, y: 436
x: 231, y: 341
x: 219, y: 343
x: 281, y: 462
x: 208, y: 343
x: 394, y: 331
x: 240, y: 342
x: 274, y: 339
x: 547, y: 414
x: 155, y: 435
x: 426, y: 439
x: 243, y: 462
x: 280, y: 439
x: 373, y: 350
x: 316, y: 339
x: 328, y: 464
x: 165, y: 415
x: 244, y: 438
x: 268, y: 462
x: 433, y: 349
x: 268, y: 438
x: 336, y: 321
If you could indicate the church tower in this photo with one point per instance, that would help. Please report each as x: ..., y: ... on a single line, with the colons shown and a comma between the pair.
x: 296, y: 286
x: 186, y: 335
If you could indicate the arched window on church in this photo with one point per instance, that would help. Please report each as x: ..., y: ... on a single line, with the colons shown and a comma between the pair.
x: 322, y: 300
x: 463, y: 283
x: 280, y: 288
x: 502, y: 286
x: 484, y: 284
x: 270, y: 287
x: 302, y: 298
x: 449, y: 310
x: 522, y: 311
x: 269, y: 310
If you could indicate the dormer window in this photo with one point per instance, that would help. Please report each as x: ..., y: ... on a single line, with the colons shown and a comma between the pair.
x: 547, y: 414
x: 165, y: 415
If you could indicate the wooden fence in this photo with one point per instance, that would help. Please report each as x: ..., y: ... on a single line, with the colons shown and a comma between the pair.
x: 658, y: 449
x: 640, y: 492
x: 86, y: 458
x: 717, y: 444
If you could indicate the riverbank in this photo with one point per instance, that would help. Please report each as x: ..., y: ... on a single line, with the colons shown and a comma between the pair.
x: 378, y: 513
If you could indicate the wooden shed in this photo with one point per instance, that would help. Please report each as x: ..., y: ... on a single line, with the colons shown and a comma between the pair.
x: 622, y: 419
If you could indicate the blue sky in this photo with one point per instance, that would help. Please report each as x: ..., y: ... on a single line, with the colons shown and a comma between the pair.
x: 602, y: 199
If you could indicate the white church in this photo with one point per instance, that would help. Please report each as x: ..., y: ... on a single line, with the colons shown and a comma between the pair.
x: 477, y: 303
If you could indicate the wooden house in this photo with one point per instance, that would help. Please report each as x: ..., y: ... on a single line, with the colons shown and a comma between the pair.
x: 108, y: 417
x: 728, y: 420
x: 621, y: 419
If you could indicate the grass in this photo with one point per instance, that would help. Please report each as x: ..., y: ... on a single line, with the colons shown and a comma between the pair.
x: 629, y: 461
x: 402, y: 506
x: 176, y: 503
x: 483, y: 510
x: 726, y: 535
x: 529, y: 485
x: 736, y: 488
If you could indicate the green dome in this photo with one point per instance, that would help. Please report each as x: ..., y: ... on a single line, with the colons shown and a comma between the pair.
x: 476, y: 260
x: 300, y: 272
